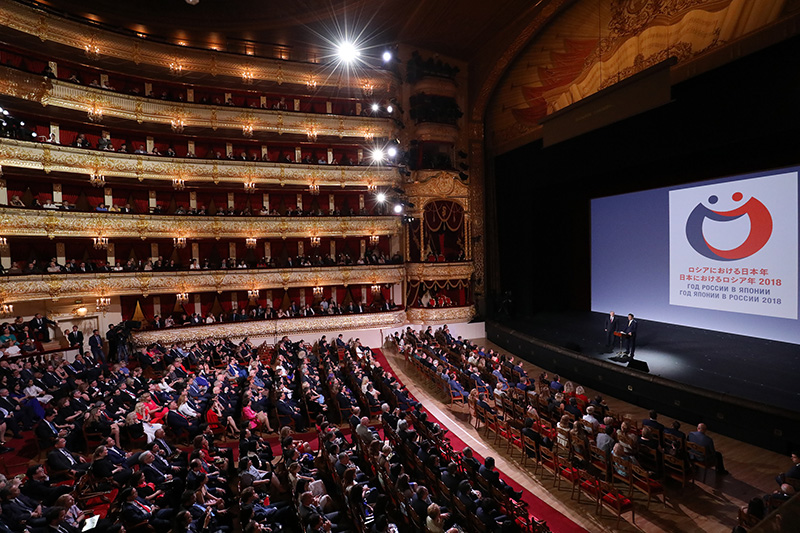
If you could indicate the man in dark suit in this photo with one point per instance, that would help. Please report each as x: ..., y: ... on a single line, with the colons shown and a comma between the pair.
x: 654, y: 423
x: 629, y: 334
x: 96, y: 344
x: 700, y: 437
x: 39, y: 487
x: 180, y: 423
x: 75, y: 338
x: 493, y: 476
x: 793, y: 472
x: 39, y: 326
x: 19, y: 509
x: 60, y: 459
x: 610, y: 326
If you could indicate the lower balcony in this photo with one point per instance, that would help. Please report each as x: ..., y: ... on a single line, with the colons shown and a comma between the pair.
x: 440, y: 315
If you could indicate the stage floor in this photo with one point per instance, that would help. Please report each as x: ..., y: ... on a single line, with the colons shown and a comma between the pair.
x: 746, y: 367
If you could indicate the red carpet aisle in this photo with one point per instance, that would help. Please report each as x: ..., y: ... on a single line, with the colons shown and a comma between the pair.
x: 557, y: 522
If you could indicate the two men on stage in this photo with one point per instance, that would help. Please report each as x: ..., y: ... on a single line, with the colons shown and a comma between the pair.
x: 628, y: 333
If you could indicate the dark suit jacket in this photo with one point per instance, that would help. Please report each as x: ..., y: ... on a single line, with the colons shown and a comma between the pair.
x: 134, y: 514
x: 630, y: 328
x: 57, y: 460
x: 45, y: 433
x: 75, y: 337
x: 611, y: 324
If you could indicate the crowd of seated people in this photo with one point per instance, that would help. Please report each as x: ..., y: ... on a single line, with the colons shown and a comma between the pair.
x: 326, y: 306
x: 377, y: 210
x: 74, y: 266
x: 582, y: 432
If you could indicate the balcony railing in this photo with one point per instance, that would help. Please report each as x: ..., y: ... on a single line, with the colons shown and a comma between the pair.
x: 102, y: 44
x: 106, y: 284
x: 439, y: 271
x: 58, y: 158
x: 49, y: 223
x: 271, y: 329
x: 416, y: 315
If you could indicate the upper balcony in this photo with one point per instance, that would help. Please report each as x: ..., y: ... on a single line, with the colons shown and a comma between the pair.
x: 51, y: 223
x: 252, y: 121
x: 137, y: 54
x: 439, y: 271
x: 58, y: 158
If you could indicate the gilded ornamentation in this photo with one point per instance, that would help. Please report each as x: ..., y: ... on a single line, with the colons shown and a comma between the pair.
x: 28, y: 19
x: 50, y: 157
x: 438, y: 271
x: 51, y: 286
x: 153, y: 111
x: 22, y: 222
x: 440, y: 315
x: 270, y: 328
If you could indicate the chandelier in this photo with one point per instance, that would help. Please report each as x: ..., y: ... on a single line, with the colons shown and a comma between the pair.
x: 94, y: 112
x: 247, y: 76
x: 317, y: 291
x: 252, y: 294
x: 6, y: 310
x: 368, y: 88
x: 369, y: 135
x: 374, y: 239
x: 179, y: 242
x: 247, y: 130
x: 250, y: 242
x: 183, y: 297
x: 249, y: 186
x: 312, y: 134
x: 313, y: 189
x: 91, y: 50
x: 177, y: 124
x: 178, y: 184
x: 100, y: 243
x: 315, y: 242
x: 376, y: 289
x: 102, y: 304
x: 175, y: 68
x: 97, y: 180
x: 311, y: 82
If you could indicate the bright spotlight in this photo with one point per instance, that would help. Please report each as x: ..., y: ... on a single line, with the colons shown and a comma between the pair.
x: 1, y: 110
x: 21, y: 123
x: 398, y: 209
x: 375, y: 108
x: 347, y: 52
x: 387, y: 56
x: 5, y: 112
x: 392, y: 151
x: 380, y: 197
x: 389, y: 109
x: 377, y: 155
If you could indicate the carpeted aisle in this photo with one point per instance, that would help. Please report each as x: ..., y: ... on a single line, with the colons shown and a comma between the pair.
x: 556, y: 521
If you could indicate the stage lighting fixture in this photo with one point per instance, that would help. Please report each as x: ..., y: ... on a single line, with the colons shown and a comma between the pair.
x: 192, y: 2
x: 389, y: 109
x: 387, y: 56
x: 375, y: 108
x: 1, y: 109
x: 381, y: 197
x: 392, y: 151
x: 347, y: 52
x: 398, y: 208
x: 377, y: 155
x: 5, y: 112
x: 21, y: 123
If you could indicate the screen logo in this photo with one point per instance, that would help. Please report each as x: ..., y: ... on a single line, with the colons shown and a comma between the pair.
x: 760, y: 228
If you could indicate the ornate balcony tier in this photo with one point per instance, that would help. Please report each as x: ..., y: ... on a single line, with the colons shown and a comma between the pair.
x: 271, y: 328
x: 57, y: 158
x: 441, y: 315
x: 105, y: 284
x: 432, y: 131
x: 193, y: 63
x: 55, y: 93
x: 39, y: 223
x: 438, y: 271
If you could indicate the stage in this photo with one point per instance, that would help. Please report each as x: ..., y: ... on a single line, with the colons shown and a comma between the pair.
x: 694, y: 374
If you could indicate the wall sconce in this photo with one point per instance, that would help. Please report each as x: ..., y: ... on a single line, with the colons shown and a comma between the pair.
x: 247, y: 76
x: 102, y: 304
x: 315, y: 242
x: 6, y: 310
x: 183, y: 297
x: 175, y: 68
x: 369, y: 135
x: 313, y: 189
x: 371, y: 187
x: 317, y: 292
x: 376, y: 289
x: 94, y: 112
x: 97, y: 180
x: 247, y: 130
x: 179, y: 242
x: 252, y: 294
x: 250, y: 242
x: 100, y: 243
x: 311, y: 82
x: 3, y: 243
x: 177, y: 124
x: 374, y: 240
x: 249, y: 186
x: 178, y: 184
x: 368, y: 88
x: 312, y: 134
x: 91, y: 50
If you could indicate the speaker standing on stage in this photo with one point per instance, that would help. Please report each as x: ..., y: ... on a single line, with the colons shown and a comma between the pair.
x: 630, y: 335
x: 610, y: 326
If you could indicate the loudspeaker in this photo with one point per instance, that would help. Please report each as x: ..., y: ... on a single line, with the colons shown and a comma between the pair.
x: 641, y: 366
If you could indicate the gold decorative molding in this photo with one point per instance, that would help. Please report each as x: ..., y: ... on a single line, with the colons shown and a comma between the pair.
x: 428, y: 185
x: 434, y: 85
x: 57, y: 158
x: 416, y: 315
x: 271, y: 328
x: 432, y: 131
x: 438, y: 271
x: 106, y: 44
x: 59, y: 94
x: 106, y: 284
x: 47, y: 223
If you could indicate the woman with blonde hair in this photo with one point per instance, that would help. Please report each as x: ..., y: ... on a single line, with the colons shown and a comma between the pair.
x: 472, y: 401
x: 434, y: 522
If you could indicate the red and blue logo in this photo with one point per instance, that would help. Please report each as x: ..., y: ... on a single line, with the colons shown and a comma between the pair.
x: 760, y: 228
